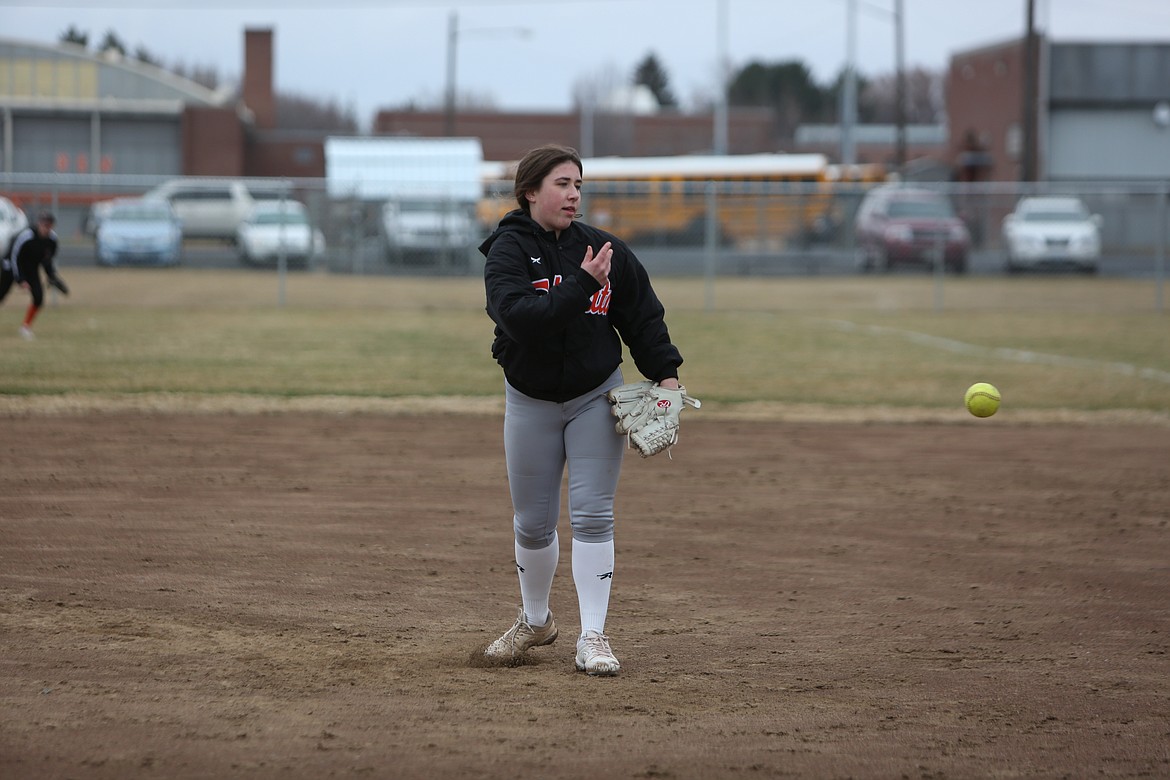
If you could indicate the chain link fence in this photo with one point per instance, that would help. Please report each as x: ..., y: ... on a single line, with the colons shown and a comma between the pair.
x: 680, y: 228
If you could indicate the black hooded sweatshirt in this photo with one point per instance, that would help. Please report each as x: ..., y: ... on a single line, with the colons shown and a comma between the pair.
x: 557, y: 331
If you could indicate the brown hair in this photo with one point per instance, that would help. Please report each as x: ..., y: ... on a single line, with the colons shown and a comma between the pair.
x: 536, y: 164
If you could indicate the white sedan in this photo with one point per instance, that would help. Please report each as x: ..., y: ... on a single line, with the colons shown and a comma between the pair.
x: 1052, y: 232
x: 276, y: 228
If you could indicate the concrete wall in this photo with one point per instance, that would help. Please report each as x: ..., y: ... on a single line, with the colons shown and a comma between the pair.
x: 1088, y: 144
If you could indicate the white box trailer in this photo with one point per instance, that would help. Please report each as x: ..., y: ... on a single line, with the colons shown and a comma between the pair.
x: 427, y: 190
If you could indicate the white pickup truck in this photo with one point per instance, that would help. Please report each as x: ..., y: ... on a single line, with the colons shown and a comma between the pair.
x: 427, y: 188
x: 418, y: 230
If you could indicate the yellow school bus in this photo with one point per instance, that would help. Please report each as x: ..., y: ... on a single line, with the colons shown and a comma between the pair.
x: 760, y: 201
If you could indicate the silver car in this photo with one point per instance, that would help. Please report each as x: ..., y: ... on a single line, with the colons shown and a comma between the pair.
x: 1052, y: 232
x: 278, y: 228
x: 139, y: 231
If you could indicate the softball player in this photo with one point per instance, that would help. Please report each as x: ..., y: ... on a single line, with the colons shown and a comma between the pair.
x: 31, y: 249
x: 564, y: 296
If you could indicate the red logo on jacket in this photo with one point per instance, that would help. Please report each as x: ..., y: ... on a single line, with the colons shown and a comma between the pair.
x: 598, y: 302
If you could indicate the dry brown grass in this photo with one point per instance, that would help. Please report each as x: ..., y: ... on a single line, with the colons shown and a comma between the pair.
x: 810, y: 348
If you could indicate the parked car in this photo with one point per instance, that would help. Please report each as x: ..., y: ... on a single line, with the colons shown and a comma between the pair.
x: 422, y: 230
x: 12, y: 221
x: 94, y: 216
x: 215, y: 208
x: 908, y: 225
x: 139, y: 231
x: 276, y: 227
x: 1052, y: 232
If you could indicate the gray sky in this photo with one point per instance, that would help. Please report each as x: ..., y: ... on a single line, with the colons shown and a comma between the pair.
x: 371, y: 54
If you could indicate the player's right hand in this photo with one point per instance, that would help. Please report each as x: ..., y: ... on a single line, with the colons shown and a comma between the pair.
x: 597, y: 265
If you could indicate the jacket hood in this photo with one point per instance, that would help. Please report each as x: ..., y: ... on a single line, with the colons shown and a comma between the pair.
x: 515, y: 221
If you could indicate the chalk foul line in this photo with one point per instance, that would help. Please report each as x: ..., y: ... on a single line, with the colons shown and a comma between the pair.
x: 1004, y: 353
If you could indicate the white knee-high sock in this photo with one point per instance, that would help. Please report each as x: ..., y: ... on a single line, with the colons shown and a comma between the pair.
x: 593, y: 575
x: 536, y: 569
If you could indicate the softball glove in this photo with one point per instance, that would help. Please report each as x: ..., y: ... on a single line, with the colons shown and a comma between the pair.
x: 648, y: 415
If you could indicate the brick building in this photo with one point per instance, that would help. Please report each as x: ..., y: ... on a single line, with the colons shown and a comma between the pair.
x: 507, y: 136
x: 1102, y: 111
x: 985, y: 102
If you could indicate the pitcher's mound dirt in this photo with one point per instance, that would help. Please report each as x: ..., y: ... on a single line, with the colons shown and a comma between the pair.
x: 299, y: 594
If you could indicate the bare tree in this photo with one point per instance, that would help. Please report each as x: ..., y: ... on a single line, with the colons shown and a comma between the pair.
x: 924, y: 98
x: 302, y: 112
x: 592, y: 90
x: 476, y: 101
x: 608, y: 132
x: 203, y: 75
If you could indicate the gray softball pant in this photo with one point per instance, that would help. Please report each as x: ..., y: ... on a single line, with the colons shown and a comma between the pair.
x: 540, y: 438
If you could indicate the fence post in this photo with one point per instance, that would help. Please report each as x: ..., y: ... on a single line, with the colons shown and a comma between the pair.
x: 357, y: 258
x: 281, y: 253
x: 711, y: 242
x: 940, y: 269
x: 1160, y: 257
x: 55, y: 208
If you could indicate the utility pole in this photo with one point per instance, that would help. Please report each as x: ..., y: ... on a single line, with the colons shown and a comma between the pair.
x: 449, y: 98
x: 1031, y: 89
x: 453, y: 31
x: 720, y: 144
x: 849, y: 89
x: 900, y: 87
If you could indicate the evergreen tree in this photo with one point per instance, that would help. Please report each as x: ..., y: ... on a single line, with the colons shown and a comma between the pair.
x: 651, y: 74
x: 143, y: 55
x: 112, y: 43
x: 73, y: 35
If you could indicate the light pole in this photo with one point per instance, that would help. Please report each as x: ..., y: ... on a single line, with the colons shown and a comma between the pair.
x: 1031, y: 82
x: 899, y: 88
x: 849, y: 88
x: 720, y: 145
x: 453, y: 33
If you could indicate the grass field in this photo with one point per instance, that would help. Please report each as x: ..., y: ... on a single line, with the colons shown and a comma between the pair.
x: 1054, y: 346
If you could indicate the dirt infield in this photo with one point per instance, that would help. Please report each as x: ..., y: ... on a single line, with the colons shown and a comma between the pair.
x: 298, y: 595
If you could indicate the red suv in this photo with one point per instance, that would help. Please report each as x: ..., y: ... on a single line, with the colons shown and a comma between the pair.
x: 905, y: 225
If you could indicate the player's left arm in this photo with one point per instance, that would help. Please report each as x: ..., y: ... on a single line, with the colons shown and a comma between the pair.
x: 14, y: 254
x: 640, y: 319
x: 55, y: 279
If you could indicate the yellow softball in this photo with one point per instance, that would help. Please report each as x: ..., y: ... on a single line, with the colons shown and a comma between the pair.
x: 982, y: 399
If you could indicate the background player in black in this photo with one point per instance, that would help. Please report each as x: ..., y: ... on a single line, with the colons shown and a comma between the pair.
x: 32, y: 249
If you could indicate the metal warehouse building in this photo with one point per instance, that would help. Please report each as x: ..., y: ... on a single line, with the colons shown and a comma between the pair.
x: 78, y: 126
x: 66, y: 110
